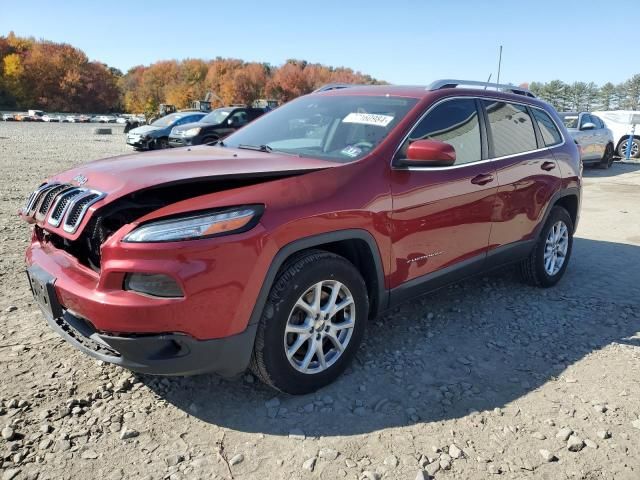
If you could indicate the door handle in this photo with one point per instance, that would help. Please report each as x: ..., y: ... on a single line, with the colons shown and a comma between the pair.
x: 482, y: 179
x: 548, y: 166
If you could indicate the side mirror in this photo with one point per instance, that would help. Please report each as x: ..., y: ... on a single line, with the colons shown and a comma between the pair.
x: 588, y: 126
x: 430, y: 153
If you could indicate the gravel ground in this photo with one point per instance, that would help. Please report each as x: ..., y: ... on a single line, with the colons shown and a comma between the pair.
x: 487, y: 377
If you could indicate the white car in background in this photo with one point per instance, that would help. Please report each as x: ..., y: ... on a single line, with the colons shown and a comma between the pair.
x: 594, y: 139
x: 619, y: 122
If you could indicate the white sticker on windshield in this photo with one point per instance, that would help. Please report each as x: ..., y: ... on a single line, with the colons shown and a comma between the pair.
x: 368, y: 119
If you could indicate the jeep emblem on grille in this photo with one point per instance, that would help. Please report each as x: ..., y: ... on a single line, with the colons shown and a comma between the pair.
x: 80, y: 179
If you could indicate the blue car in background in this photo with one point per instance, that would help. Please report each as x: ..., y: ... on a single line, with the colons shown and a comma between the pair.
x: 156, y: 135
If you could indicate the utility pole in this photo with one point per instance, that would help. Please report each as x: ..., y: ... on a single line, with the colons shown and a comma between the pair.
x: 499, y: 64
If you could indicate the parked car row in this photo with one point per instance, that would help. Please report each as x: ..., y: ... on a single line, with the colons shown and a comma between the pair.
x: 190, y: 128
x: 40, y: 116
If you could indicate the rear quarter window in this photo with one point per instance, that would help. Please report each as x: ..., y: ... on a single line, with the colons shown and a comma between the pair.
x: 510, y: 127
x: 548, y: 128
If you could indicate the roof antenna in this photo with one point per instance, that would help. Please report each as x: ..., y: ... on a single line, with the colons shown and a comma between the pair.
x: 499, y: 64
x: 488, y: 81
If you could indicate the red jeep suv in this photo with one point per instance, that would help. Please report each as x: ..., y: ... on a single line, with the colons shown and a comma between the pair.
x: 273, y: 249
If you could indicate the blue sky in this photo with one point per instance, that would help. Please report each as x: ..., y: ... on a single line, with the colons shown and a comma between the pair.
x: 404, y: 42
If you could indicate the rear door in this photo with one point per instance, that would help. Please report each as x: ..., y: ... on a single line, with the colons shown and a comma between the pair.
x: 442, y: 215
x: 527, y: 173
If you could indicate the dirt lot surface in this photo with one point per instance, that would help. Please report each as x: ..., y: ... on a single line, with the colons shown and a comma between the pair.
x: 485, y: 378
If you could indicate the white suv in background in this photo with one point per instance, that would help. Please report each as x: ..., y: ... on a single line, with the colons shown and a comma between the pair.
x: 618, y: 122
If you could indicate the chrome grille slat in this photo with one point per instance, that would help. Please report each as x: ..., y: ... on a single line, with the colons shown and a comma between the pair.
x: 37, y: 195
x: 78, y: 208
x: 47, y: 200
x: 61, y: 203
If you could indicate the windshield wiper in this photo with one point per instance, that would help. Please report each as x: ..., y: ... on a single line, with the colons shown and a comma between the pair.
x: 257, y: 148
x: 220, y: 143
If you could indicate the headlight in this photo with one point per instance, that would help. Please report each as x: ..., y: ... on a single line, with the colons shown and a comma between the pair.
x: 192, y: 132
x: 197, y: 226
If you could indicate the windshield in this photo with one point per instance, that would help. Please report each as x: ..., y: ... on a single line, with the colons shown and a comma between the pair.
x: 341, y: 128
x: 570, y: 120
x: 168, y: 120
x: 217, y: 116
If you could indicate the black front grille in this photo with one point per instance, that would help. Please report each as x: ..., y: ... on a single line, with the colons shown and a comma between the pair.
x: 48, y: 199
x: 63, y: 202
x: 77, y: 209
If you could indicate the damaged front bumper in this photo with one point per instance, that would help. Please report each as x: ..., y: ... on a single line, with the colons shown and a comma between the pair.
x: 156, y: 354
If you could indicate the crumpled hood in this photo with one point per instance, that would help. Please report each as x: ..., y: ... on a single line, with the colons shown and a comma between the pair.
x: 121, y: 175
x: 113, y: 178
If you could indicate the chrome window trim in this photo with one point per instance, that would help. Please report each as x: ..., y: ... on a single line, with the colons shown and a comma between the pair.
x: 479, y: 162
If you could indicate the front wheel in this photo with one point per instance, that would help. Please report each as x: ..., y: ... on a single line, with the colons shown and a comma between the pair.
x: 607, y: 158
x: 548, y: 260
x: 312, y: 323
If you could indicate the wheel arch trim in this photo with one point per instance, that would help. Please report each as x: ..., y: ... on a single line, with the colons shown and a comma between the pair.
x: 566, y: 192
x: 317, y: 241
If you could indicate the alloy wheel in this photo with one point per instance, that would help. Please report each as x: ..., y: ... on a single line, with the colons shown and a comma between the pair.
x: 634, y: 148
x: 319, y: 327
x: 555, y: 249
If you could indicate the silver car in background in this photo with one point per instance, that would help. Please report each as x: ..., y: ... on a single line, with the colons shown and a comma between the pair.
x: 594, y: 139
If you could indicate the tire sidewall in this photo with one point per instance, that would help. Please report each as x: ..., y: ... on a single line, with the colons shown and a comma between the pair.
x: 622, y: 152
x: 607, y: 159
x: 280, y: 305
x: 557, y: 214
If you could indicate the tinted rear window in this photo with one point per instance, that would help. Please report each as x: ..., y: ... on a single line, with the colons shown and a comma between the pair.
x: 550, y: 133
x: 510, y: 127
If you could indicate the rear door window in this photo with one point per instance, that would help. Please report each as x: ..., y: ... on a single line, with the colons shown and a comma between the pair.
x: 548, y: 129
x: 454, y: 122
x: 510, y: 128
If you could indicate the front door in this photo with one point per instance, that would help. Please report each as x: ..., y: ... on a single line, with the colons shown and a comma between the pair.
x: 441, y: 216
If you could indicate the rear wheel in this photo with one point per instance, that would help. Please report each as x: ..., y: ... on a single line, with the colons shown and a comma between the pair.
x: 607, y: 158
x: 312, y: 323
x: 635, y: 148
x: 548, y: 260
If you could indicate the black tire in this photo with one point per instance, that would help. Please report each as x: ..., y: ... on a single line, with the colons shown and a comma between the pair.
x: 161, y: 143
x: 269, y: 361
x: 622, y: 150
x: 532, y: 269
x: 607, y: 158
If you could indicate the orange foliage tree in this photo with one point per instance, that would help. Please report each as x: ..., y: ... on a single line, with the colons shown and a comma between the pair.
x: 59, y: 77
x: 54, y: 77
x: 230, y: 81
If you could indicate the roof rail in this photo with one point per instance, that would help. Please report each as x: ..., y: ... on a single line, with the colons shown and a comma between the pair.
x: 449, y: 83
x: 335, y: 86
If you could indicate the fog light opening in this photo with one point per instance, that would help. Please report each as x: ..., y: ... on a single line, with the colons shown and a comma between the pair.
x: 153, y: 284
